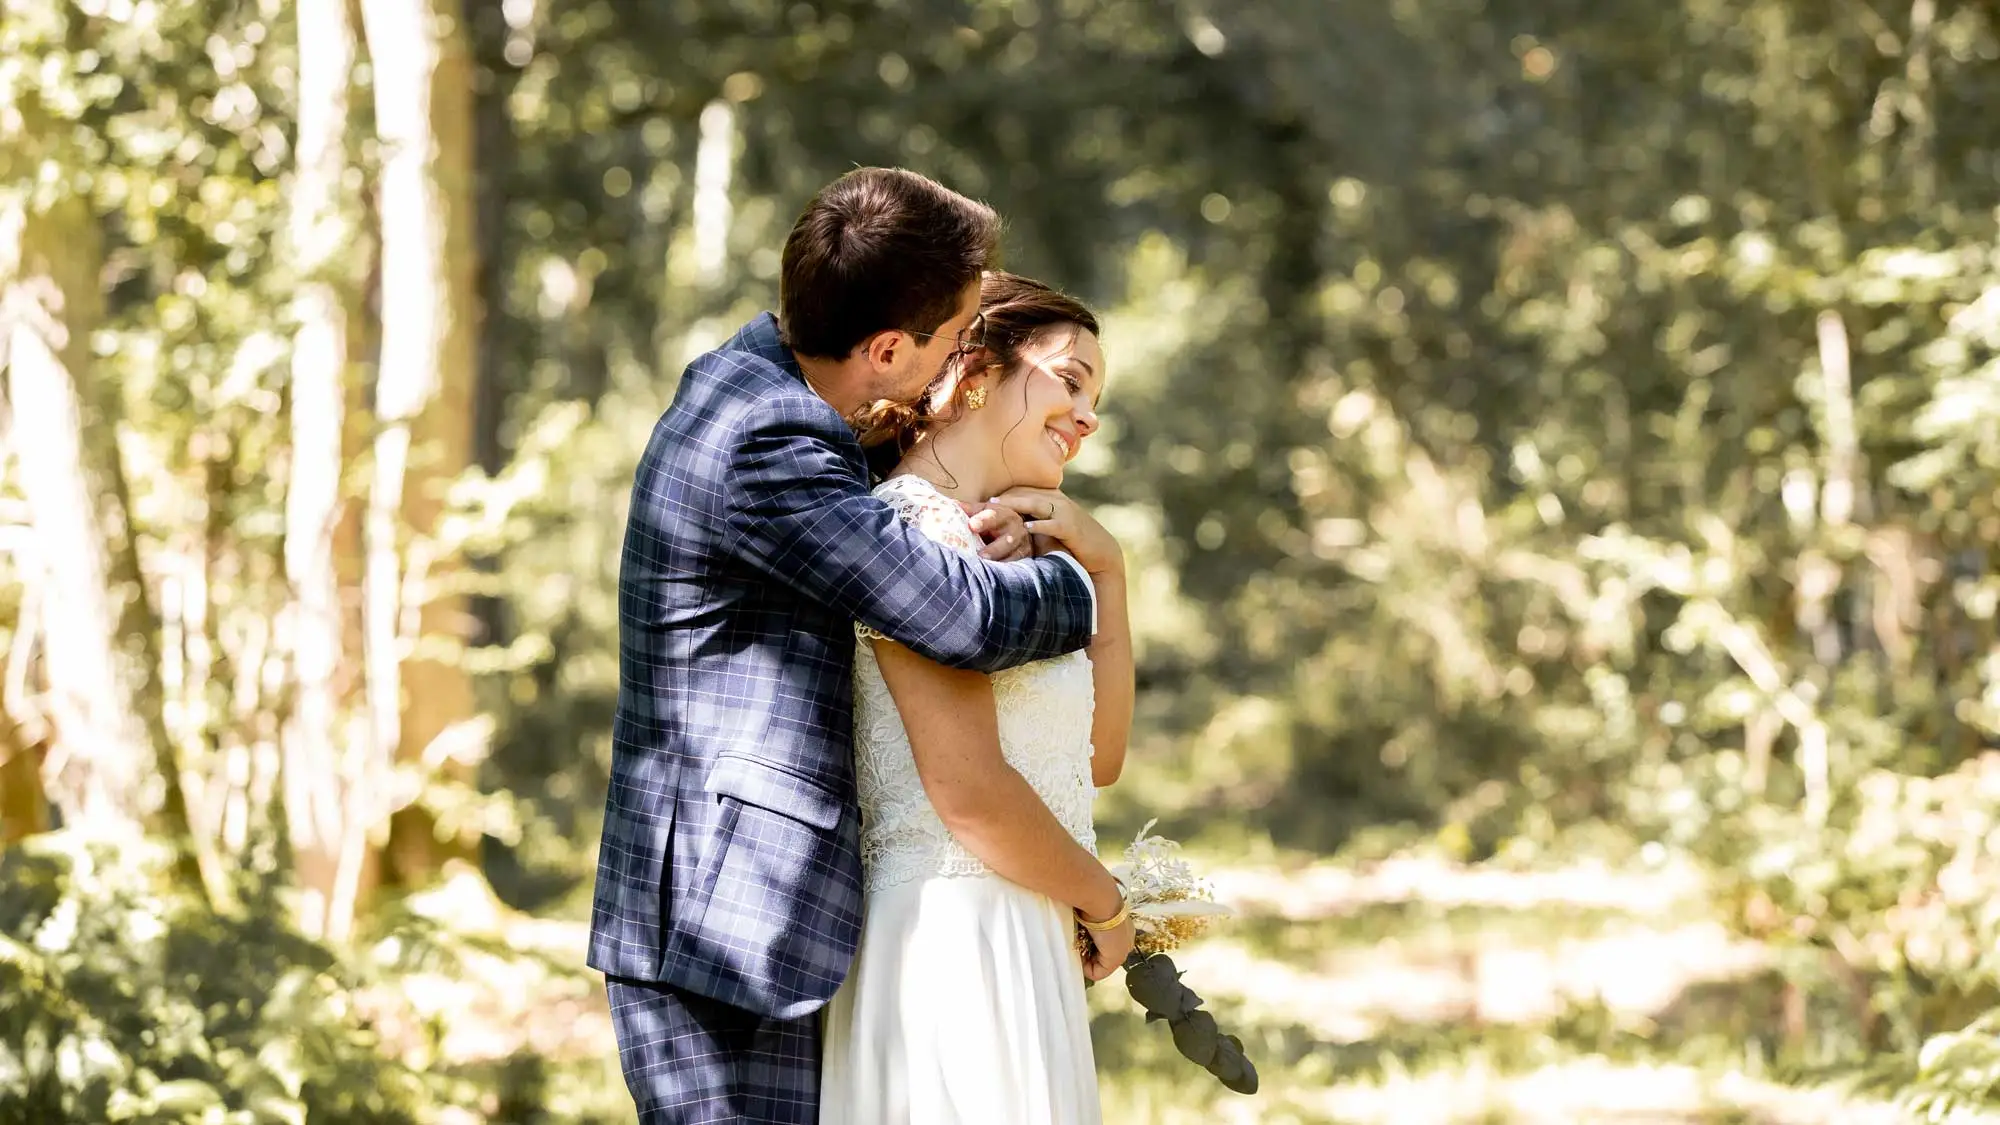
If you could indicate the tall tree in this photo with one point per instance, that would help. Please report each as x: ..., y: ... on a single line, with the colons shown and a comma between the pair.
x: 331, y: 780
x: 111, y: 765
x: 423, y: 398
x: 23, y: 737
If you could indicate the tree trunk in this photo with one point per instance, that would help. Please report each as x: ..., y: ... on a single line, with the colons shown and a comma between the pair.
x: 495, y: 145
x: 109, y: 765
x: 423, y: 109
x: 331, y: 772
x: 24, y: 807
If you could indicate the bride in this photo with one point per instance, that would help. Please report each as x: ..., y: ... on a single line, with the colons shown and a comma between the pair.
x: 966, y: 1003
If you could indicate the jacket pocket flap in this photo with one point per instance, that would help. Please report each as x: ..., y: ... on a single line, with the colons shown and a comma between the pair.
x: 770, y: 787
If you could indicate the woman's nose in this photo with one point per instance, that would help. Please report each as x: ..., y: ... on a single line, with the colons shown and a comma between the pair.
x: 1086, y: 421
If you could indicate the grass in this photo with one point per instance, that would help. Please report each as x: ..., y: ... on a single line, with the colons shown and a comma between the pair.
x: 1427, y: 992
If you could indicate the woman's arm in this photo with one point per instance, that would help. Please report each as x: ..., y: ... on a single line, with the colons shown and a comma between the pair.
x: 1111, y: 680
x: 1053, y: 518
x: 988, y: 807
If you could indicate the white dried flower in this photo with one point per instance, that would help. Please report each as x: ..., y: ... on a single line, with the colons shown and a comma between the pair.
x: 1170, y: 906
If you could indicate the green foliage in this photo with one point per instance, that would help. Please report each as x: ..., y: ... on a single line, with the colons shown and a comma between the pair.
x: 1155, y: 984
x: 1959, y: 1072
x: 123, y: 999
x: 1892, y: 897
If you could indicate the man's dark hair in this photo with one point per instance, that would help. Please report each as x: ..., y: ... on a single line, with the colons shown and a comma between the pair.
x: 879, y: 249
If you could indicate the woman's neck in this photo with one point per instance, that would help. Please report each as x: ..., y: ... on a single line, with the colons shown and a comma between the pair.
x: 951, y: 460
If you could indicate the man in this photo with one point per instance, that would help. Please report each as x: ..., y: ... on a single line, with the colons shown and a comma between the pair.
x: 729, y: 883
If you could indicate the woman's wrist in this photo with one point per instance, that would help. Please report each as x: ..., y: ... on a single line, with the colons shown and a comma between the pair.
x: 1106, y: 905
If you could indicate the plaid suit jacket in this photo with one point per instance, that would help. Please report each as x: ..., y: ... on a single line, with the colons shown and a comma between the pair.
x: 730, y: 864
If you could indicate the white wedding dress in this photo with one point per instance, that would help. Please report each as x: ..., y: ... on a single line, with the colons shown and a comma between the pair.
x: 965, y: 1005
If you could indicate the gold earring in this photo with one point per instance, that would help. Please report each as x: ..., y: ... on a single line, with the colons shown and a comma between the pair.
x: 975, y: 398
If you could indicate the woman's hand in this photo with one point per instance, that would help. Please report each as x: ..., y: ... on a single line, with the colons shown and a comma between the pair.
x: 1051, y: 515
x: 1108, y: 950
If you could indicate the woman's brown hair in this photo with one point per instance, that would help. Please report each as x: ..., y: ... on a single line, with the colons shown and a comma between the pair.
x: 1017, y: 310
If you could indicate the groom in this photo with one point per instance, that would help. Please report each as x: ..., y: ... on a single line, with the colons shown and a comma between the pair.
x: 728, y: 899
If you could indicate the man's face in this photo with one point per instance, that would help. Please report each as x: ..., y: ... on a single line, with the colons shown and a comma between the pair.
x: 920, y: 359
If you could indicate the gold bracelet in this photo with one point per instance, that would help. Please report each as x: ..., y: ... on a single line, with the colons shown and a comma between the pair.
x: 1113, y: 922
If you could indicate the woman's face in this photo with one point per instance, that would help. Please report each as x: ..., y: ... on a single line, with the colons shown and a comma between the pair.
x: 1042, y: 412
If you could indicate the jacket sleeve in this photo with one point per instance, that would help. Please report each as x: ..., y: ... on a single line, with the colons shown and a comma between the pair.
x: 798, y: 511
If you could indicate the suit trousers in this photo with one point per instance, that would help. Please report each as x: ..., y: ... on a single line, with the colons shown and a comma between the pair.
x: 690, y: 1060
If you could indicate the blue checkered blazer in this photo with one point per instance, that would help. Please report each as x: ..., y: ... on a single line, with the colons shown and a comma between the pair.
x: 730, y: 864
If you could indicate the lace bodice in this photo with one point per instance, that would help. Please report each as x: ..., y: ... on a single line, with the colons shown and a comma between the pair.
x: 1044, y: 711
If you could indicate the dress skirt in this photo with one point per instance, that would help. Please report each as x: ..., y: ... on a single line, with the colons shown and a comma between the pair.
x: 965, y: 1006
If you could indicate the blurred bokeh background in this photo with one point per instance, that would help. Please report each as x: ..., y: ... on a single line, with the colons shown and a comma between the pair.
x: 1557, y: 442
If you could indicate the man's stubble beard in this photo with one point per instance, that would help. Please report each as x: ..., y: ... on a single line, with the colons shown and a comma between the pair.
x: 906, y: 387
x: 889, y: 388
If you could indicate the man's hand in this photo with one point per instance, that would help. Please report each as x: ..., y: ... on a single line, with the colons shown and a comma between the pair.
x: 1052, y: 515
x: 1005, y: 532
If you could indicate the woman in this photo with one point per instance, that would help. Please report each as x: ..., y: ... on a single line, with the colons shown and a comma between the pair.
x: 965, y: 1003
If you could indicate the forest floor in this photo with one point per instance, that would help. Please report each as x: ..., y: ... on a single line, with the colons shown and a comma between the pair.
x: 1420, y: 992
x: 1409, y: 991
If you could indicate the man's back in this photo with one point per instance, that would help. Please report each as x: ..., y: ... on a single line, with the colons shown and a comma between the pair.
x: 730, y: 684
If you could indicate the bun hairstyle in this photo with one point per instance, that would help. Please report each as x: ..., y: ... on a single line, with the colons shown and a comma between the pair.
x: 1018, y: 311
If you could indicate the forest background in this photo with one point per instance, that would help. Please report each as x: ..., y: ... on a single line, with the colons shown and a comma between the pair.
x: 1557, y: 443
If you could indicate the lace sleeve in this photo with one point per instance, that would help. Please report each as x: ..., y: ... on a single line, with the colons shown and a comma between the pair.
x: 936, y: 515
x: 932, y: 512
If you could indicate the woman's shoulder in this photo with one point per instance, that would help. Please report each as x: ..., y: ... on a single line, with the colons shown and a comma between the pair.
x: 906, y: 485
x: 921, y: 504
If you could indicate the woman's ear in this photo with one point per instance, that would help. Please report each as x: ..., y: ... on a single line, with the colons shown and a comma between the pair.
x: 971, y: 387
x: 978, y: 359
